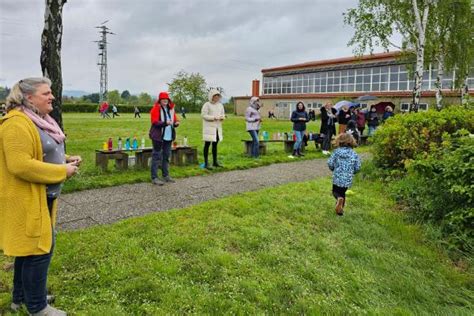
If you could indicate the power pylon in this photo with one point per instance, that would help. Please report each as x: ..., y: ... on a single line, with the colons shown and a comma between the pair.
x: 102, y: 60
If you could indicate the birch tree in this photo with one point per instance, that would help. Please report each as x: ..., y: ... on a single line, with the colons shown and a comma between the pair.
x: 376, y: 21
x: 450, y: 42
x: 50, y: 58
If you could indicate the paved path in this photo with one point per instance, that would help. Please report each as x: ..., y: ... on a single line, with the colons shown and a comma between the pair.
x: 107, y: 205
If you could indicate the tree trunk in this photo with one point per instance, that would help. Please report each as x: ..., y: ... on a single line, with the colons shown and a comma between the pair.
x: 439, y: 82
x: 420, y: 23
x: 465, y: 92
x: 51, y: 53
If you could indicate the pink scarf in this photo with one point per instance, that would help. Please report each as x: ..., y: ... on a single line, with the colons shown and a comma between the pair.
x: 47, y: 124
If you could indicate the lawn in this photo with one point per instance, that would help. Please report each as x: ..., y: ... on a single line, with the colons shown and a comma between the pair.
x: 277, y: 251
x: 87, y: 131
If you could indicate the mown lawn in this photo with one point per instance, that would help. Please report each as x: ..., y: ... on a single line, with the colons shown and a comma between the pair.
x: 87, y: 131
x: 277, y: 251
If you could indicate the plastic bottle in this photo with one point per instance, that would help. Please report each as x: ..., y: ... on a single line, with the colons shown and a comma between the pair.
x: 143, y: 143
x: 119, y: 143
x: 127, y: 144
x: 105, y: 146
x: 110, y: 144
x: 135, y: 143
x: 185, y: 141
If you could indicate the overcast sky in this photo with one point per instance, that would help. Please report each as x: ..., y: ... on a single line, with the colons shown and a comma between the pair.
x: 228, y: 41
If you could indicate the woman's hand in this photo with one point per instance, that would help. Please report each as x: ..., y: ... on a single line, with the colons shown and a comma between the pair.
x: 74, y: 159
x: 71, y: 169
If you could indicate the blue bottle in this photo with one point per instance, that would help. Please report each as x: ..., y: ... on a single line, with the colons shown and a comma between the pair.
x: 127, y: 144
x: 135, y: 143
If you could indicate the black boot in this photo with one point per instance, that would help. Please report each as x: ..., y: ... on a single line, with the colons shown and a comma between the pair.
x: 295, y: 153
x: 300, y: 153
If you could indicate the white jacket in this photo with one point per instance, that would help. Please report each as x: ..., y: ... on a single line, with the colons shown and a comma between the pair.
x: 210, y: 126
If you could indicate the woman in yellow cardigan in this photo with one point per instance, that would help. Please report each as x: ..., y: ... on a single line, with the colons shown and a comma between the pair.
x: 33, y: 167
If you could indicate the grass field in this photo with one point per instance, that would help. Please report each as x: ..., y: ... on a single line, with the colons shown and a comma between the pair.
x: 277, y: 251
x: 87, y: 131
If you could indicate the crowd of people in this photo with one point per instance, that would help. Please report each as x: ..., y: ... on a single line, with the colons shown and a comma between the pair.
x: 34, y: 165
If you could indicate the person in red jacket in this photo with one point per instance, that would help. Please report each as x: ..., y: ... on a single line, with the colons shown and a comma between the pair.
x: 162, y: 133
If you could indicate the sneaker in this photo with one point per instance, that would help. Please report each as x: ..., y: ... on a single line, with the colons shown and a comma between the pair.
x: 50, y: 311
x: 339, y: 206
x: 157, y: 181
x: 169, y: 179
x: 16, y: 307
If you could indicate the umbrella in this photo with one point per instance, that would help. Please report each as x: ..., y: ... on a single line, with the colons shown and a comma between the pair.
x: 366, y: 98
x: 340, y: 104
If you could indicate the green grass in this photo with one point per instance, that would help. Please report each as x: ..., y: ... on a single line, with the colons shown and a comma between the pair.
x: 87, y: 131
x: 281, y: 250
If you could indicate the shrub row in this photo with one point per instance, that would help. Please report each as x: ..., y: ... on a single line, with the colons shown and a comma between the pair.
x: 403, y: 138
x: 93, y: 107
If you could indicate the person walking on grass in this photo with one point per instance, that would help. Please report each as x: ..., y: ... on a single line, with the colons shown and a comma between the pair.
x: 136, y: 112
x: 33, y: 167
x: 213, y: 115
x: 328, y: 126
x: 253, y: 120
x: 344, y: 163
x: 299, y: 117
x: 114, y: 111
x: 162, y: 133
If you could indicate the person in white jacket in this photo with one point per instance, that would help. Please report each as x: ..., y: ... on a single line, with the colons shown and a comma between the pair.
x: 213, y: 114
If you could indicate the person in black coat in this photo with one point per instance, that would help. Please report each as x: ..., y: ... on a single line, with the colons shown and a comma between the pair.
x: 299, y: 117
x: 372, y: 120
x: 328, y: 126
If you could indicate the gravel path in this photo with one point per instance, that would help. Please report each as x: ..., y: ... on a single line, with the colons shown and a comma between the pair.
x: 108, y: 205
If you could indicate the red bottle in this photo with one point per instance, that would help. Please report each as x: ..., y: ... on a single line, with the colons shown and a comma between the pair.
x: 294, y: 137
x: 109, y: 144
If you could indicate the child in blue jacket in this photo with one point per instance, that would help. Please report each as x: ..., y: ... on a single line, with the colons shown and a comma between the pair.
x: 344, y: 162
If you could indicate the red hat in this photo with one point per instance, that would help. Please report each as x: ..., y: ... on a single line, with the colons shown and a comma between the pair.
x: 163, y: 95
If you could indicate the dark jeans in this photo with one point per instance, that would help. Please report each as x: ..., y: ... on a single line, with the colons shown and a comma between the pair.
x: 338, y: 191
x: 327, y: 140
x: 160, y: 158
x: 255, y: 144
x: 30, y: 278
x: 214, y: 150
x: 137, y: 114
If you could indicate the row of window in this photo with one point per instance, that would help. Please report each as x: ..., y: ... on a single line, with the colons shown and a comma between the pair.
x: 386, y: 78
x: 404, y: 107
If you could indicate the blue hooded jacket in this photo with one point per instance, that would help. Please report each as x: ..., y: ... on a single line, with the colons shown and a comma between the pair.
x: 344, y: 162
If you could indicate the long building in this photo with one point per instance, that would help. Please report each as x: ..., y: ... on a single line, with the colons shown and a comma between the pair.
x: 384, y: 77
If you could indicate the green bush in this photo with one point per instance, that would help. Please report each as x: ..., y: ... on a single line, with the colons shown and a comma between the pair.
x: 405, y: 137
x: 93, y: 107
x: 439, y: 190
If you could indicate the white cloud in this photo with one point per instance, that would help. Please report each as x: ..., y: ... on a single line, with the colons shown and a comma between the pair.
x: 228, y: 41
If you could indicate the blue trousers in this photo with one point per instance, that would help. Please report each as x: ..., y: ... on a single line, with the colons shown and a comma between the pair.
x: 255, y: 143
x: 299, y: 140
x: 30, y: 278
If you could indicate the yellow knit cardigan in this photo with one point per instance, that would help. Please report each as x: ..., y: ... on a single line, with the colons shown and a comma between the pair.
x: 25, y: 223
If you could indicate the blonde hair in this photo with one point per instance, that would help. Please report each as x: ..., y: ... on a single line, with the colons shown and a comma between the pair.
x: 345, y: 140
x: 23, y: 88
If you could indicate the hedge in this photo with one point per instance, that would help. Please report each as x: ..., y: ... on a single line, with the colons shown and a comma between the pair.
x: 404, y: 137
x: 94, y: 107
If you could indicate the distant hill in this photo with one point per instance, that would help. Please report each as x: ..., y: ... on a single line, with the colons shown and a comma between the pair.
x: 75, y: 93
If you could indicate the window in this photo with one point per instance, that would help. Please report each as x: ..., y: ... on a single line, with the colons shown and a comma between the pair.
x: 423, y: 107
x: 404, y: 107
x: 363, y: 105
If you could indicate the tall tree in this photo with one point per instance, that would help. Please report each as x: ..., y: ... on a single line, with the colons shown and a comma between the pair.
x: 188, y: 90
x: 113, y: 97
x: 144, y: 99
x: 125, y: 95
x: 51, y: 40
x: 450, y: 42
x: 376, y: 21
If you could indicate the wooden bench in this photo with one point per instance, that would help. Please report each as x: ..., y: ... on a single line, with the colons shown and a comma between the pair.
x: 180, y: 156
x: 288, y: 145
x: 102, y: 158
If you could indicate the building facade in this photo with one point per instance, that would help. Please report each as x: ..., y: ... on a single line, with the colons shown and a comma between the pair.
x: 384, y: 76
